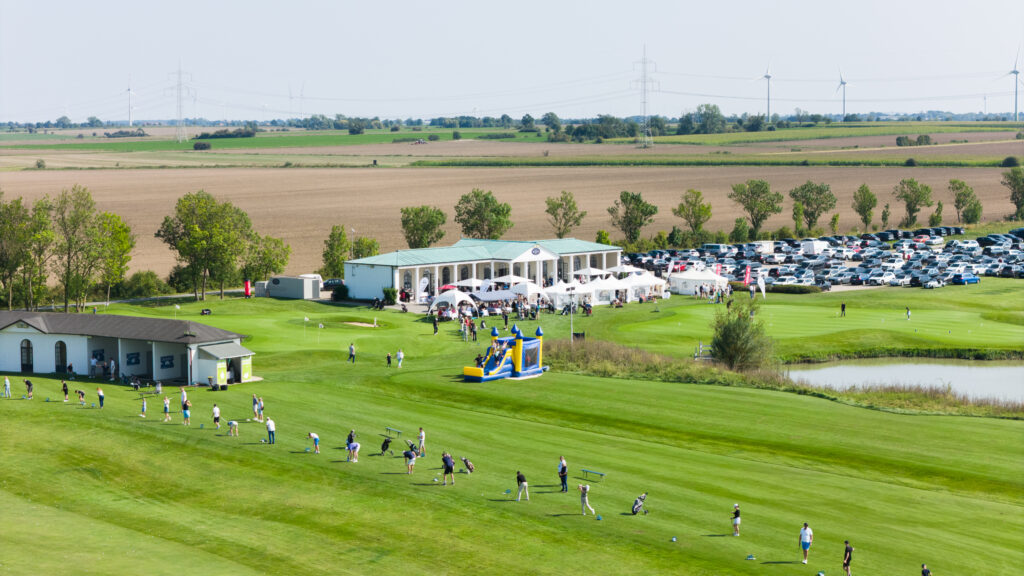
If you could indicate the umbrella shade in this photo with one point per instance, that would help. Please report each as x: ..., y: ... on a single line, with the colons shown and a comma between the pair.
x: 625, y: 268
x: 470, y: 283
x: 451, y: 298
x: 448, y: 287
x: 590, y: 272
x: 510, y: 279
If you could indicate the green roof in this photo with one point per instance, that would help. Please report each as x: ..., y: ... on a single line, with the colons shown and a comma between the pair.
x: 471, y: 250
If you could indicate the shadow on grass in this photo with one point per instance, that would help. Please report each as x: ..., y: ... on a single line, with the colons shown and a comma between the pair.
x: 781, y: 562
x: 502, y: 500
x: 566, y: 514
x: 714, y: 535
x: 402, y: 473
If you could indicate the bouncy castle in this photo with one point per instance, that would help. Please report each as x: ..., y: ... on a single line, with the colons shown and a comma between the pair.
x: 515, y: 356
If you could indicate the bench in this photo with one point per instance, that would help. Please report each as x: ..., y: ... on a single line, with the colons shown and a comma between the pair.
x: 586, y: 474
x: 389, y: 430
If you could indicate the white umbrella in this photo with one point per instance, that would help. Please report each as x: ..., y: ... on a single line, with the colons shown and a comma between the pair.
x: 647, y: 279
x: 470, y: 283
x: 527, y: 289
x: 625, y: 268
x: 590, y: 272
x: 510, y: 279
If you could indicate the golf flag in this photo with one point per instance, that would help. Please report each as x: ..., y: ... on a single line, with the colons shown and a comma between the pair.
x: 760, y: 284
x: 718, y: 269
x: 746, y: 277
x: 306, y: 319
x: 176, y: 307
x: 321, y: 325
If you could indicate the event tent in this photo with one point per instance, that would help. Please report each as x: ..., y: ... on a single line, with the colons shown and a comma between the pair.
x: 687, y: 282
x: 451, y: 298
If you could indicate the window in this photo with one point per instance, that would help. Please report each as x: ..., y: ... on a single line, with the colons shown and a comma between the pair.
x: 446, y: 275
x: 26, y: 356
x: 407, y: 280
x: 464, y: 273
x: 60, y: 357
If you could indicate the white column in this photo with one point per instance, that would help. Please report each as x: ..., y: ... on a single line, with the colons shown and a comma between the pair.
x: 437, y: 270
x: 492, y: 270
x: 604, y: 260
x: 572, y: 266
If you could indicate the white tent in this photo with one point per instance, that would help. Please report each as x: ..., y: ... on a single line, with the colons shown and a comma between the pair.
x: 625, y: 269
x: 646, y: 284
x: 687, y: 282
x: 560, y: 295
x: 528, y: 289
x: 469, y: 283
x: 588, y: 272
x: 606, y: 289
x: 451, y: 298
x: 493, y: 295
x: 510, y: 279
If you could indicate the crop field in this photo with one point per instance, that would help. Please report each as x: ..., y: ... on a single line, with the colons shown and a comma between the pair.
x: 143, y: 496
x: 853, y: 129
x: 301, y: 205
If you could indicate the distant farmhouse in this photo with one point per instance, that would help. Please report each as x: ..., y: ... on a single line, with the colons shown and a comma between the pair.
x: 150, y: 348
x: 423, y: 271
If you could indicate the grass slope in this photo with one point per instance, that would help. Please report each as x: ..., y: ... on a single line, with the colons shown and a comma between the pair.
x: 113, y: 493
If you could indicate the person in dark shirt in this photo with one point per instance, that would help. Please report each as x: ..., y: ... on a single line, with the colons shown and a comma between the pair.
x: 847, y: 557
x: 28, y: 388
x: 523, y: 487
x: 735, y: 519
x: 449, y: 468
x: 925, y: 571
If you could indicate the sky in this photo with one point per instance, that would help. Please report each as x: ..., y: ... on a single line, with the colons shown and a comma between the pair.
x: 397, y: 59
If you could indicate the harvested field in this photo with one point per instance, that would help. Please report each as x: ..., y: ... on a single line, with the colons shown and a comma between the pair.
x: 887, y: 141
x: 302, y: 205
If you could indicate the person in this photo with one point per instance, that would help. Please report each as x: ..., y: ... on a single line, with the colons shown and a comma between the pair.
x: 847, y: 557
x: 99, y: 393
x: 233, y: 428
x: 216, y: 416
x: 806, y: 539
x: 479, y: 360
x: 231, y: 375
x: 925, y: 571
x: 255, y: 408
x: 410, y: 460
x: 735, y: 519
x: 751, y: 291
x: 186, y: 413
x: 908, y: 312
x: 353, y: 451
x: 385, y: 445
x: 316, y: 442
x: 184, y: 398
x: 113, y: 370
x: 271, y: 429
x: 400, y: 356
x: 167, y: 409
x: 435, y: 325
x: 92, y: 367
x: 158, y: 388
x: 523, y: 486
x: 28, y: 388
x: 504, y: 316
x: 423, y: 442
x: 143, y: 413
x: 259, y: 408
x: 584, y: 500
x: 389, y: 359
x: 638, y: 504
x: 351, y: 437
x: 842, y: 310
x: 563, y: 473
x: 64, y: 388
x: 7, y: 387
x: 449, y: 468
x: 81, y: 397
x: 352, y: 352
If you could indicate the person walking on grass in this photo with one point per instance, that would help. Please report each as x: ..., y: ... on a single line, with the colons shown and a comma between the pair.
x: 389, y: 359
x: 908, y: 312
x: 271, y: 429
x: 847, y: 557
x: 7, y: 387
x: 142, y: 414
x: 167, y: 409
x: 316, y: 442
x: 842, y: 310
x: 735, y: 519
x: 435, y: 325
x: 233, y: 428
x: 423, y: 442
x: 99, y: 393
x: 216, y: 416
x: 352, y: 352
x: 925, y: 571
x: 563, y: 473
x: 184, y: 398
x: 186, y: 414
x: 806, y: 539
x: 523, y: 486
x: 64, y: 389
x: 400, y: 357
x: 449, y: 468
x: 259, y: 409
x: 585, y: 499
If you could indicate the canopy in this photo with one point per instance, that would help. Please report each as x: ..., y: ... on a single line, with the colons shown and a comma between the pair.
x: 527, y: 289
x: 510, y: 279
x: 560, y: 295
x: 228, y: 350
x: 492, y: 295
x: 625, y: 268
x: 451, y: 298
x: 588, y: 272
x: 469, y: 283
x: 646, y: 279
x: 688, y: 281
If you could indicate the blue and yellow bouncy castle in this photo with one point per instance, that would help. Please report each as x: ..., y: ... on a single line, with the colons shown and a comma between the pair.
x: 515, y: 356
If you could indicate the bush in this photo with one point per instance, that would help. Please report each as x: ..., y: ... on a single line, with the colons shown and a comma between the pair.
x: 972, y: 213
x: 41, y: 164
x: 390, y: 296
x: 740, y: 341
x: 201, y: 146
x: 496, y: 136
x: 141, y: 284
x: 456, y: 135
x: 910, y: 162
x: 395, y: 128
x: 339, y: 294
x: 433, y: 137
x: 740, y: 231
x: 784, y: 289
x: 1010, y: 162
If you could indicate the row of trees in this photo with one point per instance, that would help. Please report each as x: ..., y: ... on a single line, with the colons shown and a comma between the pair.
x: 67, y: 236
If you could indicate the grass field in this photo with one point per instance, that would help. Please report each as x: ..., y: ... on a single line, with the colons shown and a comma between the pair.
x: 843, y: 130
x: 109, y: 492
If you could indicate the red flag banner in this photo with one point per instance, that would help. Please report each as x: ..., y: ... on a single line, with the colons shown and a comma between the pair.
x: 746, y: 277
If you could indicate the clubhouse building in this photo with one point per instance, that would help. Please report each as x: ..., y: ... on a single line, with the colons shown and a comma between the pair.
x: 150, y: 348
x: 423, y: 271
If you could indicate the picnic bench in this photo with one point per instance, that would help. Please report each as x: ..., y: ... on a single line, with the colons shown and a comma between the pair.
x: 586, y: 474
x: 389, y: 430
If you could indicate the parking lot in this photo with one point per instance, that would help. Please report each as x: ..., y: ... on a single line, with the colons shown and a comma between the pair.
x: 925, y: 257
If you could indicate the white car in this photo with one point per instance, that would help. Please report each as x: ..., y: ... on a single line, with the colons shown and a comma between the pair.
x: 785, y: 281
x: 934, y: 241
x: 934, y: 283
x: 881, y: 279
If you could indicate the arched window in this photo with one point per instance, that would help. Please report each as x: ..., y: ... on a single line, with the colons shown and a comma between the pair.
x: 464, y: 273
x: 446, y: 275
x: 517, y: 270
x: 26, y: 356
x: 60, y: 357
x: 487, y: 273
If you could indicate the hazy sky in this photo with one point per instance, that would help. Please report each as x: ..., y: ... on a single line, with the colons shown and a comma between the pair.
x: 399, y: 59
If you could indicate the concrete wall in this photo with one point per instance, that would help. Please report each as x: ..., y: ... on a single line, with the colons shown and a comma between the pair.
x: 177, y: 367
x: 142, y: 349
x: 366, y: 282
x: 43, y: 350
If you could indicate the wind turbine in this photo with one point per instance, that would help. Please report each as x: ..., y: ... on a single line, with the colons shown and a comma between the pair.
x: 768, y: 82
x: 842, y: 84
x: 130, y: 94
x: 1016, y: 83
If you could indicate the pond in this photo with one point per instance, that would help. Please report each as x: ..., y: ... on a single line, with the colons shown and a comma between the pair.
x: 978, y: 379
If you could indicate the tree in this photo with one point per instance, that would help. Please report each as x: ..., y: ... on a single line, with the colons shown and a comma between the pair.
x: 936, y: 218
x: 364, y: 247
x: 527, y: 123
x: 709, y: 120
x: 816, y: 198
x: 972, y: 213
x: 564, y: 214
x: 603, y: 238
x: 115, y: 250
x: 740, y: 340
x: 631, y: 213
x: 552, y: 121
x: 229, y: 235
x: 834, y: 224
x: 740, y: 231
x: 914, y: 196
x: 693, y: 210
x: 336, y: 250
x: 686, y: 124
x: 758, y: 201
x: 35, y: 269
x: 506, y: 121
x: 74, y: 217
x: 963, y: 196
x: 265, y: 255
x: 481, y: 215
x: 886, y: 214
x: 798, y: 218
x: 422, y: 225
x: 864, y: 201
x: 15, y: 234
x: 1014, y: 180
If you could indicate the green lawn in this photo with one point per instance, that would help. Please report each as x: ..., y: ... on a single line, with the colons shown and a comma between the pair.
x: 841, y: 130
x: 109, y: 492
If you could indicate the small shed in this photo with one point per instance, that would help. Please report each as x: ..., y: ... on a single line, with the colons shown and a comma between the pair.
x: 293, y: 288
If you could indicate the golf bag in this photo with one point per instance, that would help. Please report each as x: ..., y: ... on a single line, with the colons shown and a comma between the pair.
x: 385, y: 445
x: 469, y: 465
x: 638, y: 504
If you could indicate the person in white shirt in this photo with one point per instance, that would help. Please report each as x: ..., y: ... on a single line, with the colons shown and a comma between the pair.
x: 92, y: 367
x: 806, y: 539
x: 271, y: 428
x: 7, y: 387
x: 584, y: 500
x: 316, y: 442
x: 113, y: 369
x: 216, y: 416
x: 423, y: 443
